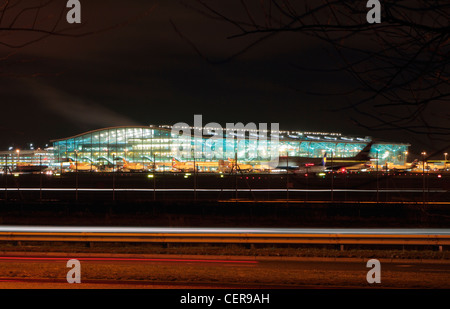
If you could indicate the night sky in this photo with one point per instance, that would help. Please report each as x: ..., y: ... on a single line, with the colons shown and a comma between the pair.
x: 145, y: 73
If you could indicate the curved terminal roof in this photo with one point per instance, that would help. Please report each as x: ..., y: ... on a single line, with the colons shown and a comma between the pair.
x: 282, y: 135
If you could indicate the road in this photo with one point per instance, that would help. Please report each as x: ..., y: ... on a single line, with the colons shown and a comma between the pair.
x: 180, y: 272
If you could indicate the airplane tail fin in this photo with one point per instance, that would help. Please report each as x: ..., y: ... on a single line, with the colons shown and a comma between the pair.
x: 174, y: 162
x: 324, y: 160
x: 364, y: 154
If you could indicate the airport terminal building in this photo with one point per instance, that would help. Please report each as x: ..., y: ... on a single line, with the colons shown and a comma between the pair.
x: 159, y: 144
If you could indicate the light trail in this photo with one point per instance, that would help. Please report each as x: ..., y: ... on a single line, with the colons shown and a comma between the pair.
x: 170, y: 230
x: 224, y: 190
x: 106, y: 259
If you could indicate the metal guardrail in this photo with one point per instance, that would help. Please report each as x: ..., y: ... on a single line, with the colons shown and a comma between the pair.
x: 231, y: 238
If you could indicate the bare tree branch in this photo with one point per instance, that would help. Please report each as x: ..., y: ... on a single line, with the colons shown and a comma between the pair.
x: 23, y: 23
x: 401, y: 64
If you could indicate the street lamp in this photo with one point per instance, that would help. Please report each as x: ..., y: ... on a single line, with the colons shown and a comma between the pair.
x: 18, y: 157
x: 423, y: 161
x: 287, y: 175
x: 6, y: 177
x: 423, y: 175
x: 114, y: 177
x: 76, y: 175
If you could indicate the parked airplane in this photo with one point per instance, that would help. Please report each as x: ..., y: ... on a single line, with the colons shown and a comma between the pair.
x: 262, y: 167
x: 81, y: 166
x: 29, y: 168
x: 242, y: 167
x: 403, y: 168
x: 189, y: 165
x: 316, y: 165
x: 429, y: 166
x: 132, y: 167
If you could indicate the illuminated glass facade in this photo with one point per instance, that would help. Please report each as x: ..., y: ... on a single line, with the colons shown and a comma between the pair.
x: 37, y: 157
x: 159, y: 145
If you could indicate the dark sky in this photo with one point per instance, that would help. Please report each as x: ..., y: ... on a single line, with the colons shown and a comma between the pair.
x: 144, y: 73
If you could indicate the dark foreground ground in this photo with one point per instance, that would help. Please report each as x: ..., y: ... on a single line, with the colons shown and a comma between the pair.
x: 225, y: 214
x: 115, y: 271
x: 120, y: 187
x: 351, y: 200
x: 426, y: 206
